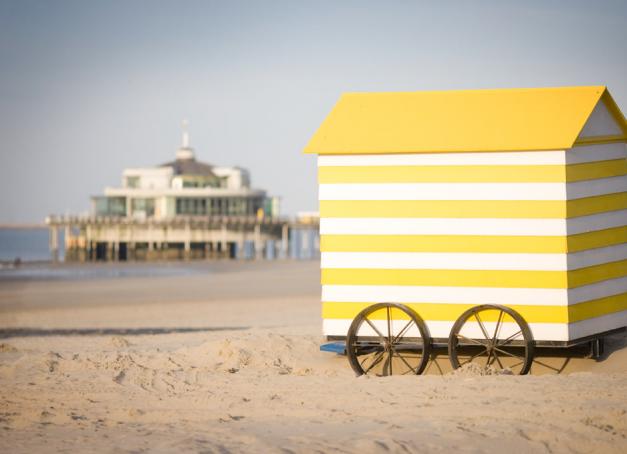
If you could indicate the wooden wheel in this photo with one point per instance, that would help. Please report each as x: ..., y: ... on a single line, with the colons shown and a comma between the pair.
x: 388, y: 339
x: 492, y: 336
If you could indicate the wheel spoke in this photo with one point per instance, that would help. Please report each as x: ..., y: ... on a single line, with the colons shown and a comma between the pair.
x: 509, y: 339
x: 509, y: 354
x: 487, y: 362
x: 547, y: 366
x: 363, y: 361
x: 498, y: 360
x: 389, y: 325
x: 374, y: 328
x: 404, y: 360
x: 485, y: 332
x: 497, y: 328
x: 516, y: 364
x: 377, y: 359
x: 474, y: 341
x: 473, y: 357
x: 386, y: 366
x: 402, y: 332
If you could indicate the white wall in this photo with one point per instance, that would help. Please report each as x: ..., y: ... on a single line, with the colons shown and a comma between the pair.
x: 600, y: 123
x: 149, y: 177
x: 236, y: 176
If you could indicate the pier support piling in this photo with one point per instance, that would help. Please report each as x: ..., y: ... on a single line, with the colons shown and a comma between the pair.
x: 258, y: 243
x: 119, y: 238
x: 285, y: 237
x: 53, y: 242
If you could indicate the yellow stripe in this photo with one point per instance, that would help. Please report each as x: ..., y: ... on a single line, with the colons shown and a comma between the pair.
x: 542, y: 209
x: 472, y: 174
x: 597, y: 273
x: 442, y: 174
x: 473, y: 243
x: 600, y: 140
x: 592, y: 170
x: 443, y: 243
x: 598, y: 204
x: 597, y: 308
x: 442, y: 209
x: 475, y: 278
x: 600, y: 238
x: 445, y: 278
x: 450, y: 312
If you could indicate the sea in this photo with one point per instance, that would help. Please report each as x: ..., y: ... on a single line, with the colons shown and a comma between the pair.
x: 26, y: 245
x: 25, y: 255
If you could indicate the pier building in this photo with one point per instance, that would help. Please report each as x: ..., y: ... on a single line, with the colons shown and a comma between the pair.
x: 184, y: 187
x: 183, y: 209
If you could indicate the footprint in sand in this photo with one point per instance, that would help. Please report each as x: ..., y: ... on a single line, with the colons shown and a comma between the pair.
x: 120, y: 342
x: 119, y: 377
x: 7, y: 348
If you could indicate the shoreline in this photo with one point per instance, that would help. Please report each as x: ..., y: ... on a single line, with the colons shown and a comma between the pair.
x: 49, y: 270
x: 22, y: 226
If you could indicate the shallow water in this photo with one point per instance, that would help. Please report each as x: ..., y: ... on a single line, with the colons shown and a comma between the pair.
x: 26, y: 244
x: 85, y: 271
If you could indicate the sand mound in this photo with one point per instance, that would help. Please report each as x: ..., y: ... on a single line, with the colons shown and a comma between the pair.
x: 265, y: 353
x: 475, y: 370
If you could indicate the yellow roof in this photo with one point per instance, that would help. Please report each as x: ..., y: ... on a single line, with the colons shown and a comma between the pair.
x: 463, y: 120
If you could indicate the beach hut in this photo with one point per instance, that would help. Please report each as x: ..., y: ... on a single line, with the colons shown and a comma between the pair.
x: 494, y: 221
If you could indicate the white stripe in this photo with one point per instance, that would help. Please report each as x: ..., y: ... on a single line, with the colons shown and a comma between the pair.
x: 595, y: 222
x: 577, y: 155
x: 472, y: 295
x: 443, y: 295
x: 443, y: 261
x: 440, y: 226
x: 598, y: 256
x: 600, y: 186
x: 593, y: 153
x: 443, y: 191
x: 540, y: 331
x: 472, y: 261
x: 472, y: 191
x: 597, y: 325
x: 597, y: 290
x: 450, y: 159
x: 472, y: 226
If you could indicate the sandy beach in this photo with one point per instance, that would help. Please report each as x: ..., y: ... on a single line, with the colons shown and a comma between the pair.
x: 224, y: 357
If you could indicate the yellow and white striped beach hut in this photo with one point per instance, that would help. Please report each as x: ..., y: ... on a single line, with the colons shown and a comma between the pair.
x: 444, y: 200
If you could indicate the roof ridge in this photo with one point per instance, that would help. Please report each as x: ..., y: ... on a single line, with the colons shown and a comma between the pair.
x: 494, y: 119
x: 471, y: 90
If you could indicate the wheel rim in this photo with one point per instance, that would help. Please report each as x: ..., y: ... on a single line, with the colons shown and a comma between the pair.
x: 492, y: 337
x: 388, y: 339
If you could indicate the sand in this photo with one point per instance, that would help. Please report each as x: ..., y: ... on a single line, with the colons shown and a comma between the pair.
x: 227, y: 359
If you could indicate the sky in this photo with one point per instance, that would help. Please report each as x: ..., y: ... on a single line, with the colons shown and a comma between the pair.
x: 89, y: 88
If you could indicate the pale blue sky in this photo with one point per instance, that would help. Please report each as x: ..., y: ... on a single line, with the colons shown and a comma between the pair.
x: 89, y: 88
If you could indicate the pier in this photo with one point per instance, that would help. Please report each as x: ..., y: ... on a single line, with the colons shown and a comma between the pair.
x: 105, y: 238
